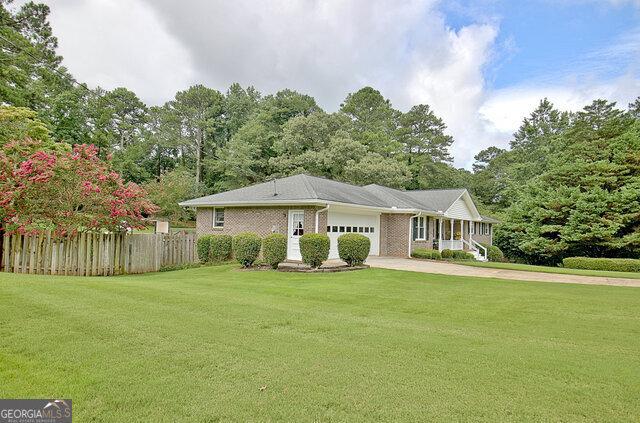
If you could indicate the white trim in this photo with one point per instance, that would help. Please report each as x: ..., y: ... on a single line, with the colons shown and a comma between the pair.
x: 294, y: 203
x: 411, y: 232
x: 424, y: 228
x: 213, y: 218
x: 291, y: 238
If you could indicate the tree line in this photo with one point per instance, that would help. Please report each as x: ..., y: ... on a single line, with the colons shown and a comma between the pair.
x: 225, y: 139
x: 567, y: 184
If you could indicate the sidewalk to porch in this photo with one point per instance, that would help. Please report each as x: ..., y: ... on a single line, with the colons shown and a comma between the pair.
x: 428, y: 266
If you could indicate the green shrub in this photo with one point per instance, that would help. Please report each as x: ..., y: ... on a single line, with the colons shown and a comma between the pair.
x: 246, y: 247
x: 353, y: 249
x: 274, y: 249
x: 611, y: 264
x: 426, y: 253
x: 462, y: 255
x: 220, y: 247
x: 446, y: 253
x: 314, y: 249
x: 493, y: 252
x: 203, y: 246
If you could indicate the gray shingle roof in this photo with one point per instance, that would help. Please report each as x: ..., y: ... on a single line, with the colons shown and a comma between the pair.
x: 437, y: 199
x: 489, y: 219
x: 304, y: 187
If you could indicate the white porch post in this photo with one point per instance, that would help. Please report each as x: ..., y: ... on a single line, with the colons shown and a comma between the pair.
x: 490, y: 234
x: 440, y: 237
x: 451, y: 237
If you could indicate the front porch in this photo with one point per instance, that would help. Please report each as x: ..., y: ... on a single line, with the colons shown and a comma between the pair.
x: 457, y: 234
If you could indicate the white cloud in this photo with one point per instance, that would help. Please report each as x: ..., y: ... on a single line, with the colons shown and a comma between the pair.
x: 115, y: 43
x: 325, y: 48
x: 453, y: 83
x: 504, y: 109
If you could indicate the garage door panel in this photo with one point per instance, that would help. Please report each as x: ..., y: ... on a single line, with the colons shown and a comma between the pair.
x: 339, y: 223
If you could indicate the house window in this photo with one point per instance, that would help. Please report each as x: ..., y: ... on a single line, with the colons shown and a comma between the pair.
x: 419, y: 228
x: 334, y: 229
x: 348, y: 228
x: 371, y: 229
x: 328, y: 228
x: 366, y: 229
x: 488, y: 229
x: 361, y: 229
x: 341, y: 229
x: 218, y: 217
x: 472, y: 228
x: 297, y: 223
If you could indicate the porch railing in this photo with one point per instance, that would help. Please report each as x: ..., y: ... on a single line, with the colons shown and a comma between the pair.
x: 447, y: 244
x: 478, y: 247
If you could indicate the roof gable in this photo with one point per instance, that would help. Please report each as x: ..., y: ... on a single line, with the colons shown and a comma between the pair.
x: 463, y: 208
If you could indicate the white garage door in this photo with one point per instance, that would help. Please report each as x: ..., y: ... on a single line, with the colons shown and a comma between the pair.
x: 339, y: 223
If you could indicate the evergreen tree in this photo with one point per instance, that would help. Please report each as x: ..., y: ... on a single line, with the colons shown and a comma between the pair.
x: 588, y: 202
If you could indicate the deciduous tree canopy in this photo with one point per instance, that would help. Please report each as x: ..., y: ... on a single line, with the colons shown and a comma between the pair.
x: 42, y: 189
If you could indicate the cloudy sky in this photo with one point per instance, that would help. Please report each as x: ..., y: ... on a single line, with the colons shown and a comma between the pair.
x: 482, y: 65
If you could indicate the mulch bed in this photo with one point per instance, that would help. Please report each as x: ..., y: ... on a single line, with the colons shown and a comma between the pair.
x: 303, y: 268
x: 325, y: 268
x: 255, y: 268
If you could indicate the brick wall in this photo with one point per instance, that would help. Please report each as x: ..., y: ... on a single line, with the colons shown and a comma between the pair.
x: 261, y: 220
x: 394, y: 234
x: 431, y: 234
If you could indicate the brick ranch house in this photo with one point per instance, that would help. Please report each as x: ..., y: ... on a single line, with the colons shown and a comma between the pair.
x: 395, y: 221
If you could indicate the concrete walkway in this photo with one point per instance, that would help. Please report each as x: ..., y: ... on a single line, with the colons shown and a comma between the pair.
x: 428, y: 266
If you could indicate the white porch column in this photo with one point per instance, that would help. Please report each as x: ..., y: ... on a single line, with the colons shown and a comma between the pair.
x: 440, y: 237
x: 451, y: 237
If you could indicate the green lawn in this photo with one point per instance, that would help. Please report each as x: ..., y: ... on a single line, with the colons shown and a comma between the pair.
x: 374, y: 345
x: 549, y: 269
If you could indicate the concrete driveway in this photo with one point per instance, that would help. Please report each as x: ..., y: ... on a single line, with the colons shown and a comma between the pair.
x: 428, y: 266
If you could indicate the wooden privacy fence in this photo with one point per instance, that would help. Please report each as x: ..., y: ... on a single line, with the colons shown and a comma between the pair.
x: 91, y: 254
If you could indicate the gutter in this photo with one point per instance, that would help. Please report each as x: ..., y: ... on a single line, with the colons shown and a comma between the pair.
x: 310, y: 202
x: 318, y: 217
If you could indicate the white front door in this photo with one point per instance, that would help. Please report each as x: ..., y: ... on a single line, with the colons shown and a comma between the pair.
x: 295, y: 231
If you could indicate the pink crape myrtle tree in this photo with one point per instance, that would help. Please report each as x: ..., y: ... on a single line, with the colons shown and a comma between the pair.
x: 65, y: 191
